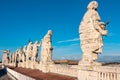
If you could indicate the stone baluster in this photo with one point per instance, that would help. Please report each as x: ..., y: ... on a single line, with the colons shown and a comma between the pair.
x: 99, y: 75
x: 115, y: 76
x: 105, y: 77
x: 110, y: 75
x: 102, y: 76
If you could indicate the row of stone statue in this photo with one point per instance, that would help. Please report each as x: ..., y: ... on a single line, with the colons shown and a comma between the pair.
x: 91, y: 32
x: 30, y: 52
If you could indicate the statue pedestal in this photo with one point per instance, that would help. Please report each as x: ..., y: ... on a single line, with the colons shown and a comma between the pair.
x: 23, y: 64
x: 86, y: 72
x: 87, y: 75
x: 33, y: 65
x: 13, y: 64
x: 28, y: 64
x: 44, y: 67
x: 20, y: 64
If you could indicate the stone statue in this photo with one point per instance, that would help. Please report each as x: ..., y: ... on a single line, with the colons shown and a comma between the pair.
x: 46, y: 48
x: 91, y: 31
x: 18, y: 56
x: 25, y: 52
x: 23, y: 57
x: 35, y: 51
x: 29, y: 51
x: 5, y: 58
x: 13, y: 57
x: 10, y: 59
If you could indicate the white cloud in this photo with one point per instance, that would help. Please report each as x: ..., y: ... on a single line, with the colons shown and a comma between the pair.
x: 71, y: 51
x: 69, y: 40
x: 111, y: 34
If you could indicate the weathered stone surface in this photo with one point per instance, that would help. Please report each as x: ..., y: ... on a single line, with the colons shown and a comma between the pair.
x: 91, y: 30
x: 46, y: 52
x: 35, y: 51
x: 29, y: 51
x: 5, y: 58
x: 46, y: 49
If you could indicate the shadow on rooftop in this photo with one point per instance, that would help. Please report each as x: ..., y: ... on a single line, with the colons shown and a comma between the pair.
x: 3, y: 72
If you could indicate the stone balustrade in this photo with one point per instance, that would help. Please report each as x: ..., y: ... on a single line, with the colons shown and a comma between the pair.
x: 82, y: 72
x: 64, y: 70
x: 108, y: 73
x: 99, y: 73
x: 91, y: 30
x: 18, y: 76
x: 107, y: 76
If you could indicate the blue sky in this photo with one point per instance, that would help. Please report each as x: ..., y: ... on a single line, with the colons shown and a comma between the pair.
x: 21, y: 20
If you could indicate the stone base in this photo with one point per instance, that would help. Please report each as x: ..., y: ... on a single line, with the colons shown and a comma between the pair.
x: 44, y: 67
x: 28, y: 64
x: 33, y: 65
x: 12, y: 64
x: 20, y: 64
x: 87, y: 75
x: 23, y: 64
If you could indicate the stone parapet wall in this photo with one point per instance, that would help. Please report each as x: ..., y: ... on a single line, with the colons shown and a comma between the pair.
x: 18, y: 76
x: 64, y: 70
x: 108, y: 73
x: 80, y: 71
x: 99, y: 73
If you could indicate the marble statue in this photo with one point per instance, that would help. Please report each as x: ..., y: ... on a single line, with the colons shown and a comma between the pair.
x: 18, y: 57
x: 10, y: 58
x: 25, y: 52
x: 13, y: 57
x: 29, y: 51
x: 23, y: 57
x: 91, y: 31
x: 46, y: 48
x: 5, y: 58
x: 35, y: 51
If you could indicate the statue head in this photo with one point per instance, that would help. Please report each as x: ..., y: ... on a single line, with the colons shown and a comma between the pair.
x: 36, y: 42
x: 25, y: 47
x: 17, y: 50
x: 50, y: 32
x: 30, y: 42
x: 6, y: 51
x: 92, y: 5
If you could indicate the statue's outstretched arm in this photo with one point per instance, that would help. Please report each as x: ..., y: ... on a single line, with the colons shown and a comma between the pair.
x: 99, y: 26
